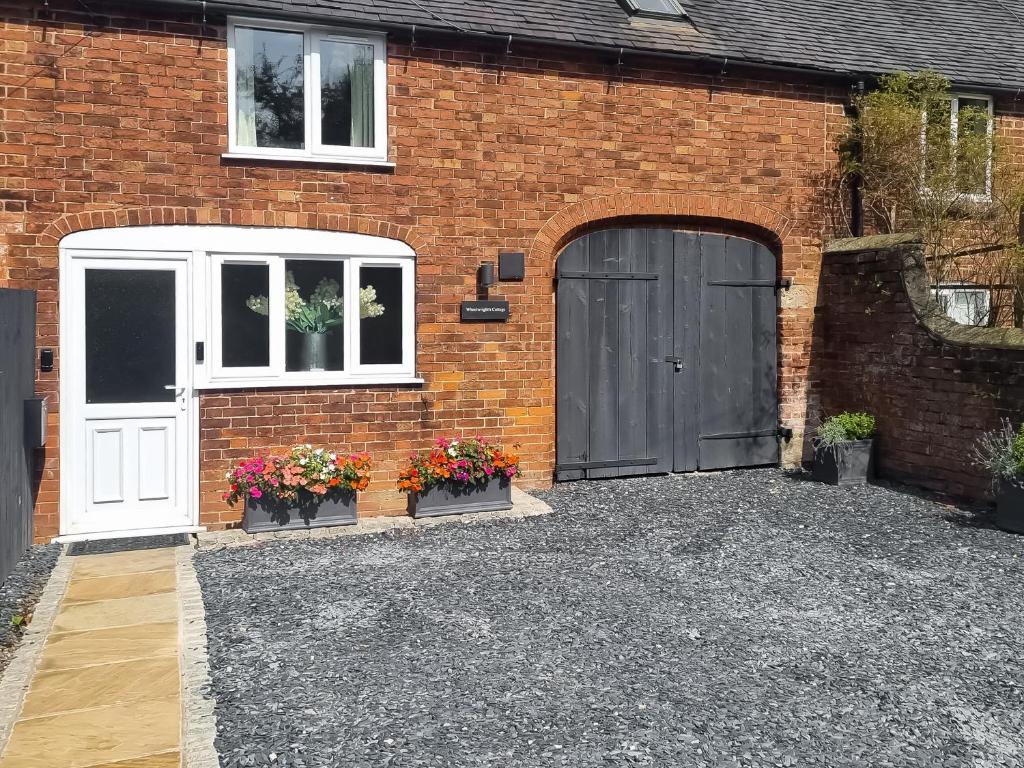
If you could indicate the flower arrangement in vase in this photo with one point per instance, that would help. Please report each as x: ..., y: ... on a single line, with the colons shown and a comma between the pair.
x: 318, y: 315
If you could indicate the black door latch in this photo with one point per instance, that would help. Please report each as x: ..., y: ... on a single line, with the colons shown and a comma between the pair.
x: 676, y: 361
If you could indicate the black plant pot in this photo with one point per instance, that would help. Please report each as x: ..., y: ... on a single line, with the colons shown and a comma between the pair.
x: 261, y: 515
x: 1010, y: 507
x: 850, y: 463
x: 458, y: 499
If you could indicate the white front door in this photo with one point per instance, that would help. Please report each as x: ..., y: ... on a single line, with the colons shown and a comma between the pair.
x: 126, y: 341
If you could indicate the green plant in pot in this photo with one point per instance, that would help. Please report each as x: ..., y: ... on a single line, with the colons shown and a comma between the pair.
x: 1000, y: 452
x: 844, y: 449
x: 317, y: 316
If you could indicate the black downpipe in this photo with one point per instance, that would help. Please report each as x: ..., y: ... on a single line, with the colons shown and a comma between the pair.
x: 856, y: 147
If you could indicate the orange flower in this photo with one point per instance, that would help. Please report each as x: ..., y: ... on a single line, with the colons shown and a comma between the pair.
x: 333, y: 482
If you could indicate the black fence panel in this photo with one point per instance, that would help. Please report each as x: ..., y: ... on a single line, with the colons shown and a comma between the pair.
x: 17, y: 384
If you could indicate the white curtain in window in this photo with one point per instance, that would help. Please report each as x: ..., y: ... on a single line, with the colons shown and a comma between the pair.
x: 245, y: 88
x: 362, y: 98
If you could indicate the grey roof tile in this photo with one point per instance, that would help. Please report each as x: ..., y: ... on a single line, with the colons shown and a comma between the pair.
x: 970, y: 41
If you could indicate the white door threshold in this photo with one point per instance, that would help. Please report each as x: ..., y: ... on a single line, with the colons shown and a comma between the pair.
x: 104, y: 535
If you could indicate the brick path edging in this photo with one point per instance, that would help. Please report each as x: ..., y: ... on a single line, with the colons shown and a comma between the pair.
x: 16, y: 678
x: 198, y: 720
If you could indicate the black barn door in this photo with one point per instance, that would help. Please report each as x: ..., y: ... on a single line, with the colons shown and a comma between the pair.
x: 614, y: 323
x: 666, y: 354
x: 737, y: 383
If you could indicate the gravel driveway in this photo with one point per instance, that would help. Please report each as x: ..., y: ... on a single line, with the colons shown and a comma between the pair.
x: 735, y: 619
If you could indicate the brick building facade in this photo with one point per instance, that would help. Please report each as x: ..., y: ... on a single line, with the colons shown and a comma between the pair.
x: 122, y: 121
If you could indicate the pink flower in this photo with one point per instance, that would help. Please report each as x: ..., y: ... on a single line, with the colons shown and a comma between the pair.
x: 250, y: 479
x: 510, y: 472
x: 256, y: 493
x: 488, y: 470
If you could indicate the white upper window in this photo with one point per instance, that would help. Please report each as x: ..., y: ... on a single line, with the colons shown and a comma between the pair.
x: 306, y: 93
x: 962, y: 116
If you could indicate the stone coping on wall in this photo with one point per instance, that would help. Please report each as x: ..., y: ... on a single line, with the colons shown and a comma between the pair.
x: 929, y: 314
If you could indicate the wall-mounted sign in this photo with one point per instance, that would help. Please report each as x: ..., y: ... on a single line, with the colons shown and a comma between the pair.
x: 484, y: 311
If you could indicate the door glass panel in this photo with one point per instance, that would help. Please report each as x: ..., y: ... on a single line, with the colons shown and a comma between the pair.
x: 130, y: 330
x: 380, y: 316
x: 245, y: 315
x: 314, y: 315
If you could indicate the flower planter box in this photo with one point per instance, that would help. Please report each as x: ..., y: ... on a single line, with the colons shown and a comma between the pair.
x: 458, y: 499
x: 1010, y: 507
x: 850, y: 463
x: 263, y: 515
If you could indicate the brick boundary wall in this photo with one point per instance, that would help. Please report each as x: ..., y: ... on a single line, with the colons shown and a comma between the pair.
x: 884, y: 346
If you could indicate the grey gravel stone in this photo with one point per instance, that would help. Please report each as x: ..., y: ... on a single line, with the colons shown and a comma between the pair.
x: 736, y: 619
x: 20, y: 591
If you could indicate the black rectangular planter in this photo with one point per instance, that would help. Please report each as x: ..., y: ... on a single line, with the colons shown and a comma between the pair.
x: 458, y: 499
x: 263, y: 515
x: 1010, y: 507
x: 850, y: 463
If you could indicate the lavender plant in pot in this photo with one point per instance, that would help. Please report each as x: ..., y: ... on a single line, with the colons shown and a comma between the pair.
x: 1001, y: 453
x: 844, y: 449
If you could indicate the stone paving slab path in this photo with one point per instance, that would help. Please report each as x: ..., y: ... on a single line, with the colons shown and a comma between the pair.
x: 106, y: 692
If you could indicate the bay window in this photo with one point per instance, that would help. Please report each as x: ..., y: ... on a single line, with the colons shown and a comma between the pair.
x: 306, y: 93
x: 279, y: 319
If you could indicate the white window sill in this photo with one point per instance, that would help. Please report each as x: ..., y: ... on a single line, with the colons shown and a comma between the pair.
x: 310, y: 381
x: 310, y: 159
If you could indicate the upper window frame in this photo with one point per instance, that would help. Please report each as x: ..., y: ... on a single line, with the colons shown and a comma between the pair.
x: 954, y: 135
x: 313, y: 37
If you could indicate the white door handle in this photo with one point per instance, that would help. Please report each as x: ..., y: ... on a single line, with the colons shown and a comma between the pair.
x: 179, y: 394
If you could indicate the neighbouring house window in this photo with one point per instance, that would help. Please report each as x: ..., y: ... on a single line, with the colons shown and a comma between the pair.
x: 312, y: 318
x: 954, y: 133
x: 306, y: 93
x: 965, y: 304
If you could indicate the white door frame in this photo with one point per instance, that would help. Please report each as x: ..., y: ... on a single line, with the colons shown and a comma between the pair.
x: 71, y: 381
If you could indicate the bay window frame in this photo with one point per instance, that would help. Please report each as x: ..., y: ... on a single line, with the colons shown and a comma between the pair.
x: 213, y: 374
x: 314, y: 150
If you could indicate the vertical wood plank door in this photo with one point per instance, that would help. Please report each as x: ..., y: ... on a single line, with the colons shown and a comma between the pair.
x: 666, y: 354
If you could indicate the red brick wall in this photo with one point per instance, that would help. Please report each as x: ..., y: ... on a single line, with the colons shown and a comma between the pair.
x: 932, y: 398
x: 129, y: 121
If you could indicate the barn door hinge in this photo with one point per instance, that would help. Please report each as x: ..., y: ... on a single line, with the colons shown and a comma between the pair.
x: 786, y: 433
x: 783, y: 283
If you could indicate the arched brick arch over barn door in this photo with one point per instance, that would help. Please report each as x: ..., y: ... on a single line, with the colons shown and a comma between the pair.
x: 766, y: 224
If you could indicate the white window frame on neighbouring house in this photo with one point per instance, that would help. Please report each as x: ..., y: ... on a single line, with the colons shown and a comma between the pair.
x: 947, y: 291
x: 314, y: 150
x: 954, y: 128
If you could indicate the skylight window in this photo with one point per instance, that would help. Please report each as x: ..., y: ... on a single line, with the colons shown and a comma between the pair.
x: 661, y: 9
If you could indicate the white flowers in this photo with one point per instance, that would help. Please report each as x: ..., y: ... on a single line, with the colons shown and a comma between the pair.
x: 325, y: 308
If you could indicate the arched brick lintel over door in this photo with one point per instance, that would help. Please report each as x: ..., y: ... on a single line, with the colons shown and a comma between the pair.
x: 667, y: 353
